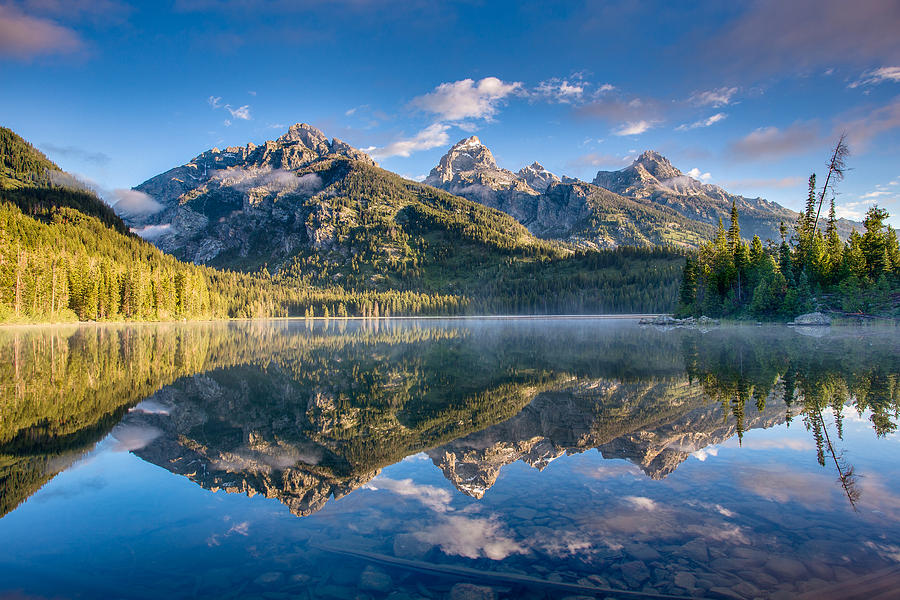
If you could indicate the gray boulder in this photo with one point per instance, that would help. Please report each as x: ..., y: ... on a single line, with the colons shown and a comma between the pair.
x: 812, y: 319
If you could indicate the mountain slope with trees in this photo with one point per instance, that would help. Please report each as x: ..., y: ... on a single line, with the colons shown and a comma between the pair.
x: 374, y: 244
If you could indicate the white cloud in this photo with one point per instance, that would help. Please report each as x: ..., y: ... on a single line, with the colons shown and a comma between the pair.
x: 277, y: 180
x: 151, y: 407
x: 241, y: 112
x: 433, y: 136
x: 151, y: 232
x: 433, y: 497
x: 467, y: 99
x: 703, y: 453
x: 133, y: 437
x: 696, y: 174
x: 133, y: 203
x: 642, y: 502
x: 876, y: 76
x: 472, y: 538
x: 633, y: 128
x: 606, y: 87
x: 560, y: 90
x: 853, y: 210
x: 702, y: 122
x: 717, y: 97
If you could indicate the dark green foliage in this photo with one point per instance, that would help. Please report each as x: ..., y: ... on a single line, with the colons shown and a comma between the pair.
x: 806, y: 273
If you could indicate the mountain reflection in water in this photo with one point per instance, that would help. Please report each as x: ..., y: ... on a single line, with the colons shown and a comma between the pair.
x: 308, y: 412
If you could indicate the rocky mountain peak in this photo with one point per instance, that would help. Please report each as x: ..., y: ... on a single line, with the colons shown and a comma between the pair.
x: 537, y: 176
x: 657, y: 165
x: 466, y: 156
x: 309, y: 136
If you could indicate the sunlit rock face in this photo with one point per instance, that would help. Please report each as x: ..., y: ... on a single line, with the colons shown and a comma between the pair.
x: 246, y: 206
x: 556, y: 207
x: 652, y: 178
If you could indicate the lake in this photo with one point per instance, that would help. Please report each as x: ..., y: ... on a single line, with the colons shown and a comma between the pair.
x: 461, y: 459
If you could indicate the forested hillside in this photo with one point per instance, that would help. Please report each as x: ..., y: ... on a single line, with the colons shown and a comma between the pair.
x: 379, y: 245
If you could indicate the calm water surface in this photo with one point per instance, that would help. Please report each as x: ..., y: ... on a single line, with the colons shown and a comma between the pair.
x: 448, y: 459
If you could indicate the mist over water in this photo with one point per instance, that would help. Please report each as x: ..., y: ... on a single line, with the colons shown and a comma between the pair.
x: 409, y: 458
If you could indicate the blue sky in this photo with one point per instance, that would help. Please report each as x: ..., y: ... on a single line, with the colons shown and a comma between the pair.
x: 749, y: 95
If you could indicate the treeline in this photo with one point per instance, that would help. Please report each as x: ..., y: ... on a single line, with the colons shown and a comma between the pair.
x: 811, y: 270
x: 73, y: 267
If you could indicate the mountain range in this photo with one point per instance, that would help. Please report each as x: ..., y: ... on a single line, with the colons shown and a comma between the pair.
x: 251, y: 206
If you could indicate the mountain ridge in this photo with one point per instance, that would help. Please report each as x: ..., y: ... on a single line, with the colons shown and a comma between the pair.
x: 532, y: 196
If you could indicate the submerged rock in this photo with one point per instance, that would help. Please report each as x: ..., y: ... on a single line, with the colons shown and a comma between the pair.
x: 470, y: 591
x: 376, y: 580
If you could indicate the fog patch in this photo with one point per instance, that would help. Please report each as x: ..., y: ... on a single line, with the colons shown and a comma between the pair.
x: 67, y: 180
x: 151, y: 407
x: 132, y: 437
x: 275, y: 180
x: 152, y: 232
x: 133, y: 203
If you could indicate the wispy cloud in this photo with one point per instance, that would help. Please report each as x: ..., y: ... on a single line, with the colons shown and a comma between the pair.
x: 772, y: 142
x: 778, y: 183
x: 433, y: 136
x: 595, y: 159
x: 560, y: 90
x: 795, y: 34
x: 75, y: 153
x: 711, y: 120
x: 467, y: 99
x: 24, y: 37
x: 241, y: 112
x: 876, y: 76
x: 873, y: 122
x: 715, y: 98
x: 633, y: 128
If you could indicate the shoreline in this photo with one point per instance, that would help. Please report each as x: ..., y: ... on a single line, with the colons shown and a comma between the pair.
x: 391, y: 318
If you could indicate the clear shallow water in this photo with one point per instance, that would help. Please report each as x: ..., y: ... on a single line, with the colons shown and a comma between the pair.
x: 415, y: 459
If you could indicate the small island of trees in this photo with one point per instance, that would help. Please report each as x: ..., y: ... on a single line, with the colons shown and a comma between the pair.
x: 810, y: 270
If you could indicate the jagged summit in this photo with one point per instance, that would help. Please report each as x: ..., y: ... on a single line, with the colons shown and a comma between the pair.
x: 465, y: 160
x: 537, y: 176
x: 469, y: 142
x: 309, y: 136
x: 656, y: 165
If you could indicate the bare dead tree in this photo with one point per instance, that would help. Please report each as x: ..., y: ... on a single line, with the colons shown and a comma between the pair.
x: 837, y: 166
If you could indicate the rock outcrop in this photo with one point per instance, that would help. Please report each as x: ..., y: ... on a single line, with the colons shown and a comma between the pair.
x: 556, y: 207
